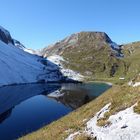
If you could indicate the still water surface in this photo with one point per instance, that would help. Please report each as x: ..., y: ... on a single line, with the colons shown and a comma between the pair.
x: 26, y: 108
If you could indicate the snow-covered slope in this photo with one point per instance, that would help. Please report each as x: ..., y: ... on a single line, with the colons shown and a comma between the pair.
x: 18, y: 66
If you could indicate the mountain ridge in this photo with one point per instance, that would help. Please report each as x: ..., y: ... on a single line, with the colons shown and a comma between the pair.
x: 92, y: 54
x: 74, y: 38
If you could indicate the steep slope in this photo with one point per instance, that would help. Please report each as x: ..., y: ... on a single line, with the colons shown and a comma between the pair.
x: 92, y: 54
x: 18, y: 66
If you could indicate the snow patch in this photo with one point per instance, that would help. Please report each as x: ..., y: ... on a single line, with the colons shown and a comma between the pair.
x: 136, y: 84
x: 56, y: 59
x: 125, y: 125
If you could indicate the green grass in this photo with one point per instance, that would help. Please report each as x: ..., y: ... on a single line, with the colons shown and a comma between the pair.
x: 92, y: 62
x: 91, y: 56
x: 95, y: 62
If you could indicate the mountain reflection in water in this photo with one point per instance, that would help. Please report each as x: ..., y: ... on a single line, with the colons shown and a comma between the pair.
x: 26, y: 108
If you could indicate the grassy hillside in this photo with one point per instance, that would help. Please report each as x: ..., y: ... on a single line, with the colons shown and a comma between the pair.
x: 90, y: 54
x: 93, y: 61
x: 98, y: 63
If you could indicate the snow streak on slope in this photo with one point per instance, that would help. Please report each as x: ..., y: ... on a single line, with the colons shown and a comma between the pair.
x: 56, y: 59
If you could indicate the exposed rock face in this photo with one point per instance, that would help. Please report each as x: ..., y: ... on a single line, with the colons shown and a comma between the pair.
x: 58, y: 47
x: 19, y: 44
x: 5, y: 36
x: 93, y: 39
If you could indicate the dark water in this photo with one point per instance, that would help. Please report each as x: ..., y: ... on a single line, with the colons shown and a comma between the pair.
x: 26, y: 108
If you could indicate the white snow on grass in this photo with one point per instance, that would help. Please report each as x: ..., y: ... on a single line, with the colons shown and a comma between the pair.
x: 125, y: 125
x: 56, y: 59
x: 72, y: 136
x: 136, y: 84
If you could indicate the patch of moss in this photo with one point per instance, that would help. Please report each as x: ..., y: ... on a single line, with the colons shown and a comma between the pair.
x: 84, y: 137
x: 103, y: 122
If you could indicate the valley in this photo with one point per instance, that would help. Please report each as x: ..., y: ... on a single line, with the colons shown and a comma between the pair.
x: 90, y: 58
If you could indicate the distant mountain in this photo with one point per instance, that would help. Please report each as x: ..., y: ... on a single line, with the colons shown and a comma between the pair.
x: 93, y: 39
x: 81, y: 56
x: 21, y: 46
x: 92, y: 54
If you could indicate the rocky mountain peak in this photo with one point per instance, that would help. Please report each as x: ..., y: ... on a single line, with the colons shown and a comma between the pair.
x: 5, y: 36
x: 100, y: 36
x: 90, y: 40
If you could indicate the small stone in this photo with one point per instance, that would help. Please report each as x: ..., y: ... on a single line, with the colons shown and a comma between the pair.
x: 92, y: 133
x: 124, y: 126
x: 120, y: 118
